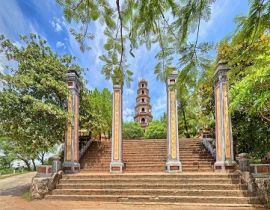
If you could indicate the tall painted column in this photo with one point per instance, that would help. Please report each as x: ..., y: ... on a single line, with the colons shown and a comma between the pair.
x: 173, y: 163
x: 224, y: 141
x: 71, y: 156
x: 117, y: 164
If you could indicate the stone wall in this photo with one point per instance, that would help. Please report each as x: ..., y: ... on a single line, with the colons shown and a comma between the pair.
x: 258, y: 184
x: 44, y: 185
x: 263, y: 188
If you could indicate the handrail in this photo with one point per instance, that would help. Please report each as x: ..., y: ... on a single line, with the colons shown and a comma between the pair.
x: 84, y: 149
x: 209, y: 144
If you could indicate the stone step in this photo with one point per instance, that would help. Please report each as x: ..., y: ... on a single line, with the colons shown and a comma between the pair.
x: 157, y: 199
x: 154, y: 182
x: 177, y: 186
x: 154, y: 160
x: 154, y: 176
x: 153, y: 192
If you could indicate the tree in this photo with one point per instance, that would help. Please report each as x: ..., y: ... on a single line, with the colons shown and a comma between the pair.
x: 248, y: 54
x: 132, y: 130
x: 16, y: 150
x: 33, y: 100
x: 129, y: 24
x: 251, y: 134
x: 5, y: 158
x: 156, y: 130
x: 96, y: 111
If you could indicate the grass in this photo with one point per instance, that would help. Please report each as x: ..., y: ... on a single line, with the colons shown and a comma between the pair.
x: 27, y: 195
x: 10, y: 175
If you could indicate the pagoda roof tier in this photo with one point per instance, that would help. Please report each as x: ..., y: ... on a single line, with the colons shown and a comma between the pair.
x: 142, y: 114
x: 143, y: 104
x: 142, y: 96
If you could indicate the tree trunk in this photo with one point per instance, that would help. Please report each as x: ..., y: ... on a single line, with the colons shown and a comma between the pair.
x: 34, y: 164
x: 27, y: 164
x: 41, y: 158
x: 185, y: 123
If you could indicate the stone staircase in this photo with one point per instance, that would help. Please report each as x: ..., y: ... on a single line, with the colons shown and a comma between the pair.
x: 147, y: 155
x: 145, y: 181
x: 185, y: 188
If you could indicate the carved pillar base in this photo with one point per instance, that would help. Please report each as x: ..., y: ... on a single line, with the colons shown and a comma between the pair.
x: 116, y: 167
x: 173, y: 166
x: 71, y: 167
x: 225, y: 166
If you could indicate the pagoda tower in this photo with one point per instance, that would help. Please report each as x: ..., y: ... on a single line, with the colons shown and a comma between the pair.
x: 143, y: 108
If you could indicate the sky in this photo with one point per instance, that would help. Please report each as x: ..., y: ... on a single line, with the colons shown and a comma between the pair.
x: 46, y: 19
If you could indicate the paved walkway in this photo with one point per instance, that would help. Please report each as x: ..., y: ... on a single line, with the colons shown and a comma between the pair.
x: 16, y: 185
x: 12, y: 188
x: 17, y: 203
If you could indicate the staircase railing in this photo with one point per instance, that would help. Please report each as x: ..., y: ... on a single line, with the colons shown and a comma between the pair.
x: 84, y: 148
x: 210, y: 145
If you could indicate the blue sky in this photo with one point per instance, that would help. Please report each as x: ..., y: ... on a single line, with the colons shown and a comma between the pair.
x: 46, y: 18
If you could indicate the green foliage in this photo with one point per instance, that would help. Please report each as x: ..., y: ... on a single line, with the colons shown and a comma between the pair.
x: 33, y: 100
x: 96, y: 111
x: 255, y: 23
x: 251, y: 134
x: 132, y: 130
x: 248, y: 53
x: 6, y: 171
x: 129, y: 24
x: 6, y: 159
x: 156, y: 130
x: 249, y: 75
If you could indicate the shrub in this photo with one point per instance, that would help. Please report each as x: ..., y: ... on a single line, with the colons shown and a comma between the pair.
x: 132, y: 130
x: 156, y: 130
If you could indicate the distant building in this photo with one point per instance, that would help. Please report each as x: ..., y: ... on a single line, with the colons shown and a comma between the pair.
x: 143, y: 108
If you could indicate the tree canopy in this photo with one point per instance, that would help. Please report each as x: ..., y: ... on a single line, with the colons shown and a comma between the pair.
x: 129, y: 24
x: 33, y: 100
x: 96, y: 111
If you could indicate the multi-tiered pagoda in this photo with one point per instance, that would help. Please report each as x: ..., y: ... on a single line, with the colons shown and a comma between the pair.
x: 143, y: 108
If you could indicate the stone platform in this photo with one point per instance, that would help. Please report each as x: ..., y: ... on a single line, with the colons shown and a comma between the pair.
x: 189, y: 188
x: 145, y: 179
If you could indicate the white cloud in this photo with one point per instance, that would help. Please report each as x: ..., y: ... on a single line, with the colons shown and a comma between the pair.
x: 60, y: 44
x: 222, y: 16
x: 159, y: 105
x: 129, y: 91
x: 128, y: 115
x: 2, y: 62
x: 58, y: 24
x: 2, y: 67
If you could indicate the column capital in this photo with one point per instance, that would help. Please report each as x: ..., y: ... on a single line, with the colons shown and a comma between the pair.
x: 118, y: 86
x: 221, y: 71
x: 73, y: 80
x: 171, y: 79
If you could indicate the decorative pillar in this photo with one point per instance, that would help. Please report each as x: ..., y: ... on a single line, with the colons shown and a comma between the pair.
x: 173, y: 163
x: 117, y: 164
x: 224, y: 141
x: 71, y: 156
